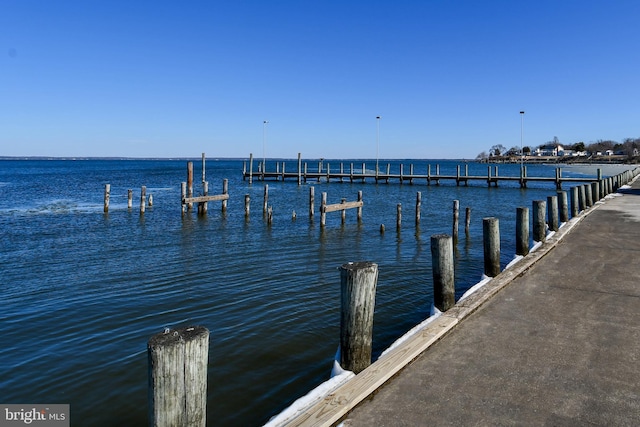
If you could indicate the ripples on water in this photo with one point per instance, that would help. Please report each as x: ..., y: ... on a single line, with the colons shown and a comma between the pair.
x: 82, y: 292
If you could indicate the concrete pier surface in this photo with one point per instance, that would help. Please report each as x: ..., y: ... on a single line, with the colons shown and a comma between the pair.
x: 558, y: 346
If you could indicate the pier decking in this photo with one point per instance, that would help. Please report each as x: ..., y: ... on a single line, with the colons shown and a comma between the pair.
x: 553, y: 340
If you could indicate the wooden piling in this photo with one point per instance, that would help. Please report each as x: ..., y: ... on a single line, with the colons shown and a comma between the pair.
x: 250, y: 168
x: 177, y: 363
x: 552, y: 212
x: 311, y: 201
x: 107, y: 195
x: 563, y: 206
x: 588, y: 195
x: 189, y: 184
x: 247, y: 205
x: 575, y: 202
x: 443, y: 271
x: 418, y: 207
x: 204, y: 177
x: 150, y: 201
x: 143, y: 198
x: 358, y: 283
x: 266, y: 199
x: 595, y: 191
x: 323, y: 207
x: 225, y: 190
x: 299, y: 169
x: 359, y: 211
x: 343, y: 212
x: 491, y: 246
x: 129, y: 198
x: 456, y: 218
x: 183, y: 195
x: 203, y: 207
x: 467, y: 221
x: 398, y: 216
x: 270, y: 215
x: 522, y: 231
x: 539, y: 227
x: 582, y: 197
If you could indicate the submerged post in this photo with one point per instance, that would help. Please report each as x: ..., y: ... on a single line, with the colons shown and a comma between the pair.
x: 266, y: 199
x: 358, y: 282
x: 443, y: 271
x: 456, y: 217
x: 247, y: 204
x: 467, y: 221
x: 311, y: 201
x: 398, y: 216
x: 225, y: 190
x: 491, y: 245
x: 143, y: 198
x: 129, y: 198
x: 522, y: 231
x: 418, y: 206
x: 107, y: 195
x: 178, y: 362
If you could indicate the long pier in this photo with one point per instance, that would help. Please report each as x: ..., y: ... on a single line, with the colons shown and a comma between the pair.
x: 360, y: 173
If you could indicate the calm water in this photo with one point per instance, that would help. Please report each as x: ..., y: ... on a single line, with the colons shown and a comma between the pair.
x: 82, y: 291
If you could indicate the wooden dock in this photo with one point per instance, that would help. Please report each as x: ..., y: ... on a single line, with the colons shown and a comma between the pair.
x: 349, y: 173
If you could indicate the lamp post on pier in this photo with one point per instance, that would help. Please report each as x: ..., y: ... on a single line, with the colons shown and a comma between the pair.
x: 521, y: 138
x: 377, y: 145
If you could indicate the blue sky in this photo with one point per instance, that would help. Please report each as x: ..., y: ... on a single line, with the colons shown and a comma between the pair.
x: 449, y: 78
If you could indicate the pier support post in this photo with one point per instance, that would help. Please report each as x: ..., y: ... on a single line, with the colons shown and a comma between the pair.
x: 265, y: 203
x: 129, y: 198
x: 582, y: 197
x: 595, y: 191
x: 563, y: 206
x: 522, y: 231
x: 588, y: 195
x: 299, y: 169
x: 189, y: 184
x: 178, y: 377
x: 552, y: 212
x: 358, y: 283
x: 575, y: 202
x: 107, y: 195
x: 539, y: 228
x: 323, y: 209
x: 443, y: 271
x: 250, y: 168
x: 491, y: 245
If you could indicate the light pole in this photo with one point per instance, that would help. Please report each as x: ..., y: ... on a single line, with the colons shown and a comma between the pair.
x: 521, y: 147
x: 377, y: 144
x: 264, y: 145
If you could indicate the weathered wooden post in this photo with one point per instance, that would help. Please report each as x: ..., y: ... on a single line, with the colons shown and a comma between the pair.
x: 575, y: 202
x: 323, y: 209
x: 522, y: 231
x: 129, y: 198
x: 358, y: 281
x: 107, y: 195
x: 456, y: 218
x: 189, y: 184
x: 418, y: 207
x: 203, y: 207
x: 204, y: 176
x: 247, y: 203
x: 270, y: 215
x: 443, y: 271
x: 225, y: 190
x: 143, y: 198
x: 539, y: 230
x: 343, y: 212
x: 183, y: 195
x: 150, y: 200
x: 266, y: 199
x: 250, y: 168
x: 312, y: 201
x: 552, y: 212
x: 178, y: 362
x: 563, y: 206
x: 491, y: 245
x: 583, y: 197
x: 299, y: 169
x: 595, y: 191
x: 467, y: 221
x: 359, y: 213
x: 398, y: 216
x: 588, y: 195
x: 381, y: 228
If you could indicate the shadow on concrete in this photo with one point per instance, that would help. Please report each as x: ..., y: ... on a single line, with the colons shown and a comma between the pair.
x: 632, y: 191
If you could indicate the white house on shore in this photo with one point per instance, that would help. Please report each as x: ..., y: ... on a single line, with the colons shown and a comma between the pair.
x: 549, y: 150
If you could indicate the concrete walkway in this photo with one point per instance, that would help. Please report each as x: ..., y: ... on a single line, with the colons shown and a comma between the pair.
x: 559, y: 346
